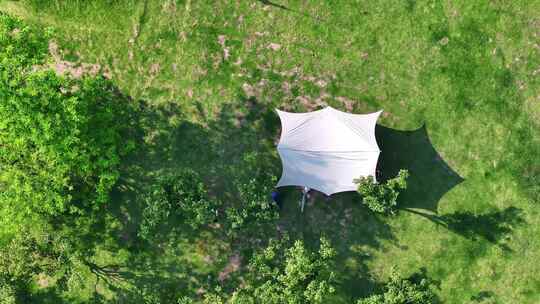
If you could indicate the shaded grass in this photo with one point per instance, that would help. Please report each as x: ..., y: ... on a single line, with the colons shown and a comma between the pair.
x: 465, y: 70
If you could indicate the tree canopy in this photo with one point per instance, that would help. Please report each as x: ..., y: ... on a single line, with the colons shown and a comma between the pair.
x: 177, y: 198
x: 293, y: 275
x: 284, y: 274
x: 61, y: 138
x: 400, y: 290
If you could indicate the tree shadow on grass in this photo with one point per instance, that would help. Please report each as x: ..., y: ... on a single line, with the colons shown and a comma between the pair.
x: 149, y: 278
x: 482, y: 296
x: 430, y: 177
x: 491, y: 227
x: 286, y: 8
x: 237, y: 130
x: 152, y: 132
x: 215, y: 149
x: 253, y: 126
x: 43, y: 296
x: 166, y: 142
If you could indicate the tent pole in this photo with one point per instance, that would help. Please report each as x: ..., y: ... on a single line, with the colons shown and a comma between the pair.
x: 303, y: 202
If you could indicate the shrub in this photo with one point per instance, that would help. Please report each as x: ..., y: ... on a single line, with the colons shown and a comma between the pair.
x: 177, y: 198
x: 7, y: 293
x: 21, y: 46
x: 254, y: 208
x: 403, y: 291
x: 382, y: 197
x: 25, y: 256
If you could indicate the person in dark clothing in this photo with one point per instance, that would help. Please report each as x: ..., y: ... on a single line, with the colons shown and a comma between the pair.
x: 276, y: 198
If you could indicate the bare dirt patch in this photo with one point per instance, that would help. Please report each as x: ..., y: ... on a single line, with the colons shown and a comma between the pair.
x: 74, y: 69
x: 234, y: 264
x: 43, y: 280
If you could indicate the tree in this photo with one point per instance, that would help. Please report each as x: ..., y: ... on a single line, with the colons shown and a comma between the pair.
x: 282, y: 274
x: 177, y: 198
x: 403, y: 291
x: 382, y: 197
x: 289, y: 275
x: 61, y: 139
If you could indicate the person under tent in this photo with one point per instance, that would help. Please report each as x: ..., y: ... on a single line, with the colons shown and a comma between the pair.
x: 276, y: 198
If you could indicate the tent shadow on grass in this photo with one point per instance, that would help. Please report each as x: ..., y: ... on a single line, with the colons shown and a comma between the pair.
x: 430, y: 177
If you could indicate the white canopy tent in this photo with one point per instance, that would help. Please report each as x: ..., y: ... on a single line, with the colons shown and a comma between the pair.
x: 326, y: 149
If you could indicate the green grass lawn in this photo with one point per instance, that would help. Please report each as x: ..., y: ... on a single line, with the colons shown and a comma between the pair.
x: 459, y: 83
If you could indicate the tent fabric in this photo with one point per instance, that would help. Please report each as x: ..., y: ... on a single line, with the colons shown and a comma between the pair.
x: 326, y: 149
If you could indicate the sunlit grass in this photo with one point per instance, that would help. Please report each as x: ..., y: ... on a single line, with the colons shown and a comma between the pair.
x: 468, y: 71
